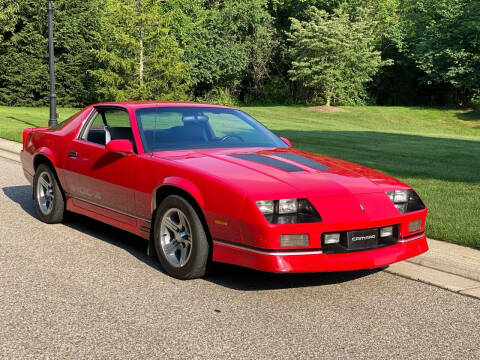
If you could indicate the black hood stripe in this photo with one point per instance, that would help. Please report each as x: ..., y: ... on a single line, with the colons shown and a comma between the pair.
x: 301, y: 160
x: 268, y: 161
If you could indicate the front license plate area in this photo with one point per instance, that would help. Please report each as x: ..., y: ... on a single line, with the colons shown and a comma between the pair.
x: 362, y: 239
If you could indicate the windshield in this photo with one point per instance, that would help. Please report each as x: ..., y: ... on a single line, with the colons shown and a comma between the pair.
x: 174, y: 128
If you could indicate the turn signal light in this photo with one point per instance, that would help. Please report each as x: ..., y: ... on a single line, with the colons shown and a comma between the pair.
x: 294, y: 240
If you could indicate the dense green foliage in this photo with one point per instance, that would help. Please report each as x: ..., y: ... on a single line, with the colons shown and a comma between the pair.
x: 138, y: 59
x: 247, y: 51
x: 24, y: 53
x: 443, y: 37
x: 334, y: 57
x: 8, y: 11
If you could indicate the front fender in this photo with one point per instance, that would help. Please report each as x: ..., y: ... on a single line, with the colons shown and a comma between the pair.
x: 183, y: 184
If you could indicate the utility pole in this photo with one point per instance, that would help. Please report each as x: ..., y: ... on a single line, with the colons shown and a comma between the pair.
x: 53, y: 96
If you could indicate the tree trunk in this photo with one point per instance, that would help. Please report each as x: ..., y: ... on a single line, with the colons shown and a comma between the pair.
x: 328, y: 101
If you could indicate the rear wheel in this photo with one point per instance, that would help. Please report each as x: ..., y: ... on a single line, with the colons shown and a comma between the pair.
x: 47, y: 195
x: 180, y: 240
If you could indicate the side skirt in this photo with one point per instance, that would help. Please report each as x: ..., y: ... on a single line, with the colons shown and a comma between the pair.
x: 132, y: 224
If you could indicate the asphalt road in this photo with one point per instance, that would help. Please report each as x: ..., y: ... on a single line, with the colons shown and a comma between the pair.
x: 85, y: 290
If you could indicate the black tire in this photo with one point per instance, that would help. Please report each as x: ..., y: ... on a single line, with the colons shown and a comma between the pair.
x: 56, y: 213
x: 196, y: 264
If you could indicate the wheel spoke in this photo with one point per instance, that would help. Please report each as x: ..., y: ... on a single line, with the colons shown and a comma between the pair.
x: 170, y: 247
x: 183, y: 223
x: 44, y: 183
x: 183, y: 255
x: 170, y: 224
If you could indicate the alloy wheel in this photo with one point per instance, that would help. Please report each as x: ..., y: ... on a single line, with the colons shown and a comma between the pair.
x: 176, y: 237
x: 45, y: 193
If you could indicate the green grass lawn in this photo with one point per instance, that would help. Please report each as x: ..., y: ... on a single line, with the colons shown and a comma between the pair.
x: 435, y: 150
x: 14, y: 119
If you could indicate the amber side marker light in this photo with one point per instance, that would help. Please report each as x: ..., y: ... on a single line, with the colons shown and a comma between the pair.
x: 415, y: 226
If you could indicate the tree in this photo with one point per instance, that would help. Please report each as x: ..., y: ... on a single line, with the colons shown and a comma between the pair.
x: 442, y: 37
x: 139, y: 58
x: 230, y: 46
x: 24, y: 52
x: 333, y: 56
x: 8, y: 9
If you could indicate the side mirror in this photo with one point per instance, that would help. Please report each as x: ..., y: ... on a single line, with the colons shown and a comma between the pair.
x: 286, y: 141
x: 120, y: 146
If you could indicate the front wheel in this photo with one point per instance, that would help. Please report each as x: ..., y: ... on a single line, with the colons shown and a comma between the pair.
x: 180, y: 240
x: 47, y: 195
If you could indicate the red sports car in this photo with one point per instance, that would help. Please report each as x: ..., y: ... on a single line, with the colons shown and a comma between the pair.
x: 209, y: 183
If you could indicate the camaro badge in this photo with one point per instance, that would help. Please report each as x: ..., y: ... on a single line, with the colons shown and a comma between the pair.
x: 362, y: 208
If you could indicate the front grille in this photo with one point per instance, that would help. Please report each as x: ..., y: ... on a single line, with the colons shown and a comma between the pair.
x: 346, y: 246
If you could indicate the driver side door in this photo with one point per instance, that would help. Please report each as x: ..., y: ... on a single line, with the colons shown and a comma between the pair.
x: 99, y: 180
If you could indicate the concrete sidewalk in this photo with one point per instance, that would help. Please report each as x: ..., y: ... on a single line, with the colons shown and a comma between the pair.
x: 446, y: 265
x: 449, y: 266
x: 450, y: 258
x: 10, y: 149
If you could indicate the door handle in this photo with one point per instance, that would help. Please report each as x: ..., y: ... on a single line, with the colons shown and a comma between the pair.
x: 72, y: 154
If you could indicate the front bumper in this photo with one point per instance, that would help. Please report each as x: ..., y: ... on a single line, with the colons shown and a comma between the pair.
x: 310, y: 261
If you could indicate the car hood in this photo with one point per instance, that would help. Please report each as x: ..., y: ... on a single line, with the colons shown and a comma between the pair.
x: 278, y: 173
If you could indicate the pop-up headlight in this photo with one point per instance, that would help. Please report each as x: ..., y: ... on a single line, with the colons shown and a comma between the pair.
x: 266, y: 207
x: 288, y: 211
x: 406, y: 200
x: 287, y: 206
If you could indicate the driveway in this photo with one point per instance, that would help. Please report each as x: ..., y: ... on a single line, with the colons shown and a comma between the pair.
x: 86, y: 290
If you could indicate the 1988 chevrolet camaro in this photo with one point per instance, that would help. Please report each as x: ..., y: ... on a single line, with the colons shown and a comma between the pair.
x: 207, y: 183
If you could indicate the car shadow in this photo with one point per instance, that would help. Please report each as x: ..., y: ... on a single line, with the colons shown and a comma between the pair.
x: 230, y: 276
x: 243, y: 279
x: 23, y: 196
x: 135, y: 245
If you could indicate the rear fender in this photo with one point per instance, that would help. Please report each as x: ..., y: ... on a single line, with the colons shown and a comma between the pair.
x: 47, y: 153
x: 26, y: 133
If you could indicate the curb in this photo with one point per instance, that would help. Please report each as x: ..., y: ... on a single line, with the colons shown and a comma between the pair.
x: 450, y: 258
x: 449, y: 266
x: 448, y: 281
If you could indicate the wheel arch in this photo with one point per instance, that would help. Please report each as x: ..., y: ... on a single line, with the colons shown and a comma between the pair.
x: 176, y: 183
x: 167, y: 189
x: 43, y: 158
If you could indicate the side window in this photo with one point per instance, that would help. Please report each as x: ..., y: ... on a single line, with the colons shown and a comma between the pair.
x: 117, y: 118
x: 96, y: 131
x: 109, y: 125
